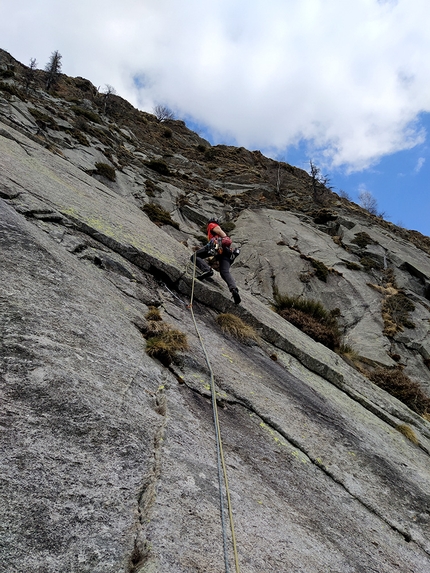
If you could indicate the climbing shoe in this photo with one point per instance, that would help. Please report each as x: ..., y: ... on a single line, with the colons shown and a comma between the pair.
x: 236, y: 296
x: 206, y: 275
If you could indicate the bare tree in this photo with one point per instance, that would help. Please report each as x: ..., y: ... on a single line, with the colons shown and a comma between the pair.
x: 29, y: 74
x: 53, y: 67
x: 368, y: 202
x: 163, y: 113
x: 278, y: 180
x: 109, y: 91
x: 344, y: 194
x: 320, y: 183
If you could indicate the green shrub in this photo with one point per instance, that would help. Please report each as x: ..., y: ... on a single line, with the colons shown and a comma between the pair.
x: 87, y: 113
x: 321, y: 271
x: 210, y: 155
x: 324, y: 216
x: 43, y: 120
x: 159, y: 166
x: 346, y: 349
x: 10, y: 89
x: 182, y: 200
x: 158, y: 215
x: 201, y: 238
x: 150, y: 188
x: 362, y: 240
x: 201, y: 148
x: 80, y: 137
x: 167, y: 133
x: 353, y: 266
x: 106, y: 170
x: 398, y: 384
x: 368, y: 263
x: 6, y: 74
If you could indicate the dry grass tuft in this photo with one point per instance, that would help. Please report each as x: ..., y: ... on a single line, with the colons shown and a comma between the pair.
x: 395, y: 313
x: 235, y: 326
x: 162, y: 341
x: 408, y: 433
x: 166, y: 345
x: 348, y: 353
x: 153, y: 313
x: 155, y: 328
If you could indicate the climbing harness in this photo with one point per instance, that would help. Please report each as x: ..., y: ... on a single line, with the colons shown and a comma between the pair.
x: 222, y: 472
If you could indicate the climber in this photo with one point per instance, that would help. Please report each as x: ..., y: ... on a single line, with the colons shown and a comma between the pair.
x: 219, y: 246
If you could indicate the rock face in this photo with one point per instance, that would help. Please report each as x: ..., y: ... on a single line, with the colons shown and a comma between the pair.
x: 109, y: 459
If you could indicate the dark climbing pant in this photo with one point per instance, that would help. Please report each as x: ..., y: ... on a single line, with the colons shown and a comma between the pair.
x: 224, y: 264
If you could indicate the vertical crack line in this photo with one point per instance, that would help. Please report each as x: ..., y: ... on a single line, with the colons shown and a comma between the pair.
x: 142, y: 552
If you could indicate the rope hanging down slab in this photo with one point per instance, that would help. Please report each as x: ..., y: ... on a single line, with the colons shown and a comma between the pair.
x: 222, y: 472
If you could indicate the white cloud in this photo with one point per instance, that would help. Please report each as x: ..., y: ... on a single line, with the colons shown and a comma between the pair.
x: 348, y: 77
x: 419, y: 165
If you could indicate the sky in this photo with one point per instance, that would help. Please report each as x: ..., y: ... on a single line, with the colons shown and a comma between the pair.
x: 343, y: 83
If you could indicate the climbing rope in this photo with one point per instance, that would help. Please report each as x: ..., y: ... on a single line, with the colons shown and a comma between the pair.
x: 222, y: 472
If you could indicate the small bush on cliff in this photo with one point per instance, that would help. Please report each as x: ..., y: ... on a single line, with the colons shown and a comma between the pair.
x: 42, y: 119
x: 321, y: 271
x: 106, y: 170
x: 368, y: 263
x: 79, y: 136
x: 353, y: 266
x: 159, y: 166
x: 7, y: 74
x: 11, y: 90
x: 310, y: 317
x: 362, y: 240
x: 395, y: 313
x: 398, y: 384
x: 87, y: 113
x: 159, y: 216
